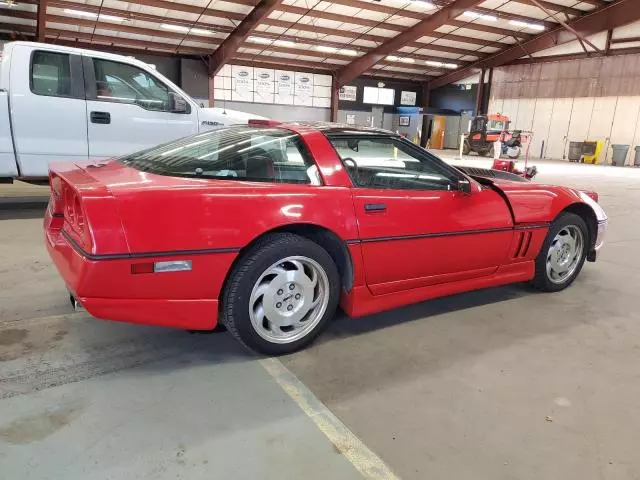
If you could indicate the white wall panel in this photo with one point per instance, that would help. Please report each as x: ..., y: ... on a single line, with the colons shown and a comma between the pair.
x: 541, y: 121
x: 509, y: 108
x: 581, y: 119
x: 624, y: 122
x: 558, y: 128
x: 495, y: 105
x: 526, y: 110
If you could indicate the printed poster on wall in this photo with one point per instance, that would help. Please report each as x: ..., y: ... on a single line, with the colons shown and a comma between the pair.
x: 304, y: 89
x: 242, y: 78
x: 351, y: 119
x: 264, y: 86
x: 348, y: 93
x: 408, y: 98
x: 284, y: 87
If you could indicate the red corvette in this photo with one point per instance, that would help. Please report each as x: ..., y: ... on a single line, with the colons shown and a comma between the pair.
x: 268, y: 227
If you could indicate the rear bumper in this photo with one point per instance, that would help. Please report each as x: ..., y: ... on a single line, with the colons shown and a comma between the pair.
x: 108, y: 290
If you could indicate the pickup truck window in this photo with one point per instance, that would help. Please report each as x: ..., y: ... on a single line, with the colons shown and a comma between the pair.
x: 50, y: 74
x: 123, y: 83
x: 235, y: 153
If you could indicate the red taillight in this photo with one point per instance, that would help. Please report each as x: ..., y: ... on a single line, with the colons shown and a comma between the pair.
x: 57, y: 201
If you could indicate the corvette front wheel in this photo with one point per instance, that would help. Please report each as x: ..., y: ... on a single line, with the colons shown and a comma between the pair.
x: 281, y: 294
x: 563, y: 253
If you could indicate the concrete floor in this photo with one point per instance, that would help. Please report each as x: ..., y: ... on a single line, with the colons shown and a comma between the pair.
x: 504, y: 383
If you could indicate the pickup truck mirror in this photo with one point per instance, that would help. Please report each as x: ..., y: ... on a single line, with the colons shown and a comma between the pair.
x: 177, y: 104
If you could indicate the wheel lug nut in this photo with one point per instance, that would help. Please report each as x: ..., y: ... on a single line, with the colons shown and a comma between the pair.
x: 292, y: 286
x: 290, y: 307
x: 278, y: 305
x: 297, y: 296
x: 280, y: 292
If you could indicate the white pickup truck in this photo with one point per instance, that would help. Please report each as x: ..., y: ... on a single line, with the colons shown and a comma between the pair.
x: 63, y: 103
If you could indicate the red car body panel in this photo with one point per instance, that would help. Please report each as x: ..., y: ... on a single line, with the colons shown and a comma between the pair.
x: 117, y: 220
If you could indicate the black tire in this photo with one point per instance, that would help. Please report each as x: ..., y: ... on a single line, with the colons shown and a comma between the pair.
x: 236, y: 298
x: 466, y: 148
x: 541, y: 280
x: 483, y: 153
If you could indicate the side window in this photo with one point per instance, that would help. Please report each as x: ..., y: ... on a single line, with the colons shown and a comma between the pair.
x: 389, y: 162
x: 123, y: 83
x: 50, y: 74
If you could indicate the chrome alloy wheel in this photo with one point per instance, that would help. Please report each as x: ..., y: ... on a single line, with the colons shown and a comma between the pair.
x: 565, y: 253
x: 289, y: 299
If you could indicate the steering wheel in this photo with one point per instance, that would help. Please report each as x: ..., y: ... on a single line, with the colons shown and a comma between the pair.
x: 352, y: 169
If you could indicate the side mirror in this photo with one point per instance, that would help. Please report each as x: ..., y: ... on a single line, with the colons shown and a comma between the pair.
x: 177, y: 104
x: 464, y: 186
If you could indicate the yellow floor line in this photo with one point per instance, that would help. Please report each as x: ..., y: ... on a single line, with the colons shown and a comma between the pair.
x: 363, y: 459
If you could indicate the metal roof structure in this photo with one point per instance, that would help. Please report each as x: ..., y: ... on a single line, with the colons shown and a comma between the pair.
x: 439, y: 41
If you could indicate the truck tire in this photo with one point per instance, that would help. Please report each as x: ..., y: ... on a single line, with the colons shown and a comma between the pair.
x: 282, y: 293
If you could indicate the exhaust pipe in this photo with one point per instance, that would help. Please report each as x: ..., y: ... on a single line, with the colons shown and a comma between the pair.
x: 77, y: 306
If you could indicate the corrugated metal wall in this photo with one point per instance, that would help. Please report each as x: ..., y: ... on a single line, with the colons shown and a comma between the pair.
x: 575, y: 100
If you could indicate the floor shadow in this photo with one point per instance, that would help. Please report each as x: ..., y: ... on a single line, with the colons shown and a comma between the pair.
x: 8, y: 212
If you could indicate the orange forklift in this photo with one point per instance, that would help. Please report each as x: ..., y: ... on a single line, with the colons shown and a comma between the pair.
x: 487, y: 129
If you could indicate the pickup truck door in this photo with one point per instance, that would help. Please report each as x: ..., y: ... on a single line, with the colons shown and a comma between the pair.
x: 47, y: 108
x: 416, y: 228
x: 128, y: 109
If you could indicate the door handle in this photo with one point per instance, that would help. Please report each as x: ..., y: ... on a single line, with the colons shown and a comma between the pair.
x: 100, y: 117
x: 375, y: 207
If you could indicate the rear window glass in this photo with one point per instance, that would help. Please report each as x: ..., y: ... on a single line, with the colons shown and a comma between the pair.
x: 235, y: 153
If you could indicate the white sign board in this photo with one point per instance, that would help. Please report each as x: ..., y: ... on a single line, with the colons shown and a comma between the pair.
x: 304, y: 89
x: 348, y: 93
x: 408, y: 98
x: 242, y: 84
x: 264, y: 85
x: 351, y: 119
x: 284, y: 87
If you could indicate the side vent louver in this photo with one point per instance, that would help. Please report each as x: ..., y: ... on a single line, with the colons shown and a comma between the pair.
x: 523, y: 243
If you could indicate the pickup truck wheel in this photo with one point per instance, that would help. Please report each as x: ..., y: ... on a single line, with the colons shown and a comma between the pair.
x: 563, y: 253
x: 281, y: 294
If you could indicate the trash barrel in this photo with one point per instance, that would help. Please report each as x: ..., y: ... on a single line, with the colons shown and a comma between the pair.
x: 619, y: 154
x: 636, y: 162
x: 575, y: 151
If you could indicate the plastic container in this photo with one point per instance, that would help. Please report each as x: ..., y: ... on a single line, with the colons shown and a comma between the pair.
x: 619, y: 154
x: 575, y: 151
x: 636, y: 161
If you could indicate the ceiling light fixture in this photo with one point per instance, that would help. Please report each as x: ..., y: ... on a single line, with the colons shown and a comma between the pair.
x: 423, y: 3
x: 407, y: 60
x: 285, y: 43
x: 82, y: 13
x: 351, y: 53
x: 262, y: 40
x: 481, y: 16
x: 326, y: 49
x: 183, y: 29
x: 392, y: 58
x: 431, y: 63
x: 532, y: 26
x: 450, y: 65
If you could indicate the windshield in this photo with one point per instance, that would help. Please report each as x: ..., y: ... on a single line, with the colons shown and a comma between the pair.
x: 234, y: 153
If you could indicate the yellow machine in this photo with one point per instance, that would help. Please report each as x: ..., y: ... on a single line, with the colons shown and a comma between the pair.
x: 591, y: 151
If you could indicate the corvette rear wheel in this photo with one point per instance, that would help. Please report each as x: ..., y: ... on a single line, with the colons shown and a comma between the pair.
x: 563, y: 253
x: 281, y: 294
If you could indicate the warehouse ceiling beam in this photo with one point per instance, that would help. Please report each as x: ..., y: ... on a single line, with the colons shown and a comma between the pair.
x: 233, y: 42
x: 613, y: 15
x: 581, y: 38
x: 41, y: 25
x: 425, y: 27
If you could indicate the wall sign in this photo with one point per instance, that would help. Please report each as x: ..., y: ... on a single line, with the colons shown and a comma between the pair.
x: 351, y: 119
x: 284, y: 89
x: 264, y: 85
x: 242, y: 84
x: 408, y: 98
x: 303, y: 89
x: 404, y: 120
x: 348, y: 93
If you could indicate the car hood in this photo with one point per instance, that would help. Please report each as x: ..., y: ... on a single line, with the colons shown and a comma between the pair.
x: 533, y: 202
